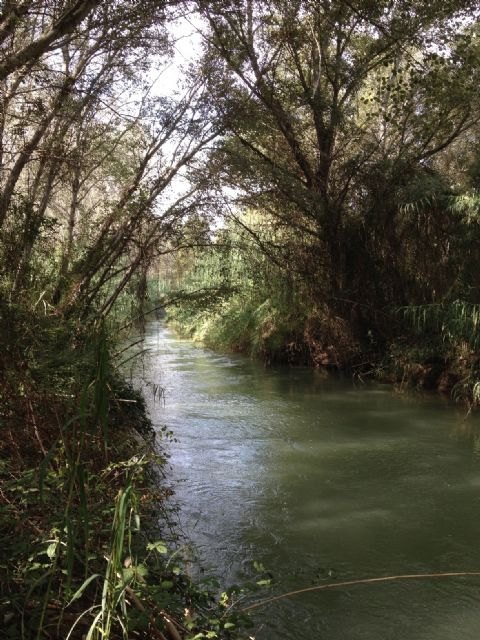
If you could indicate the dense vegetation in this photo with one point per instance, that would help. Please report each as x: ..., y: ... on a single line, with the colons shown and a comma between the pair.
x: 89, y: 152
x: 309, y: 193
x: 350, y: 158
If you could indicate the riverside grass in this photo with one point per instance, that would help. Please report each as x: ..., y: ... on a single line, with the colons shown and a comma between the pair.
x: 87, y: 533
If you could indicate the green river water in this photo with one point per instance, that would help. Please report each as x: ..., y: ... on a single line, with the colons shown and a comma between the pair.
x: 314, y: 476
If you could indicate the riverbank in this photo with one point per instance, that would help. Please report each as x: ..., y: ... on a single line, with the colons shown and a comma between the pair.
x: 87, y: 522
x: 406, y: 354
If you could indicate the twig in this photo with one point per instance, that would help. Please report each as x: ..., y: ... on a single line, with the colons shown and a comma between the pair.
x: 139, y: 605
x: 170, y: 623
x: 349, y: 583
x: 35, y: 429
x: 128, y: 347
x: 18, y: 513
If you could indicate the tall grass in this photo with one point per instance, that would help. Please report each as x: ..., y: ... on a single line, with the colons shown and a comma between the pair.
x: 453, y: 331
x: 79, y: 487
x: 452, y: 322
x: 263, y: 307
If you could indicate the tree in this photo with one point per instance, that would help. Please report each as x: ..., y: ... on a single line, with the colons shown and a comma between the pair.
x: 84, y: 166
x: 336, y: 110
x: 30, y: 29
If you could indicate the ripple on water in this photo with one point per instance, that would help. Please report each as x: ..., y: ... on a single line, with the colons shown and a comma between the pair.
x: 308, y: 474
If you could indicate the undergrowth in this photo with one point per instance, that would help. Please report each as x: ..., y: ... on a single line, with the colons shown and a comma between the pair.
x: 87, y: 536
x: 265, y: 329
x: 432, y: 347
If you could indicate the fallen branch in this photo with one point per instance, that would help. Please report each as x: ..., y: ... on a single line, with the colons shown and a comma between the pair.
x: 349, y: 583
x: 139, y: 605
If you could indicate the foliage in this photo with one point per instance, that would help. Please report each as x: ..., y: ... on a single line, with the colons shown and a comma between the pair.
x: 453, y: 322
x: 333, y: 113
x: 89, y: 196
x: 454, y: 330
x: 261, y: 308
x: 316, y: 171
x: 83, y: 493
x: 83, y: 171
x: 346, y: 178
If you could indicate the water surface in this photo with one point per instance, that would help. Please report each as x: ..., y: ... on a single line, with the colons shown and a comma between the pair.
x: 315, y: 476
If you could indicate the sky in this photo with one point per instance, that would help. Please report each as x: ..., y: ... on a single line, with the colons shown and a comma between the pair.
x: 187, y: 37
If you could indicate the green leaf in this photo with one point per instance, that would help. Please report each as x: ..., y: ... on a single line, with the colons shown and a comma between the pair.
x: 79, y: 592
x: 159, y: 547
x: 141, y: 570
x: 166, y: 584
x: 128, y: 574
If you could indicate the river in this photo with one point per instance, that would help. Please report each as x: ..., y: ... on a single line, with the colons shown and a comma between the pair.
x: 322, y: 480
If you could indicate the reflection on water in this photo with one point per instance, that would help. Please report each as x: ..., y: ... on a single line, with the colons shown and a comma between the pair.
x: 304, y: 473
